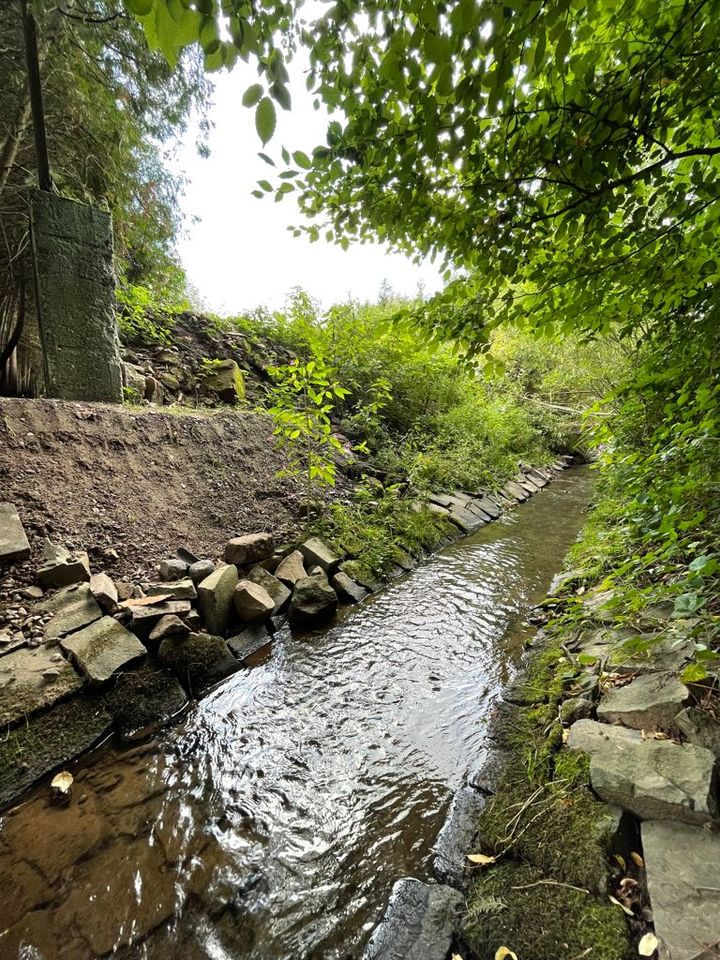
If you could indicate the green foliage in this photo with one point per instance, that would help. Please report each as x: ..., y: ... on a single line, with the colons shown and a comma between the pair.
x: 145, y: 316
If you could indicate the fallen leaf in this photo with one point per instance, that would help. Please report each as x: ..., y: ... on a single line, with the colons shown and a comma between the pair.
x: 565, y: 735
x: 504, y: 952
x: 62, y: 781
x: 456, y: 956
x: 481, y: 859
x: 637, y: 859
x: 622, y: 906
x: 621, y: 861
x: 648, y: 945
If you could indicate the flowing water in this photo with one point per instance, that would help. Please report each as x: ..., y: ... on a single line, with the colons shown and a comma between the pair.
x: 273, y: 821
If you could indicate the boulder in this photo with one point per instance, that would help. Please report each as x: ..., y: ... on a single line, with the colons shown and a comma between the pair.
x: 650, y: 702
x: 317, y: 553
x: 251, y: 548
x: 248, y: 642
x: 102, y: 649
x: 144, y: 700
x: 32, y: 680
x: 347, y: 589
x: 700, y: 728
x: 279, y: 593
x: 172, y: 569
x: 252, y: 602
x: 215, y: 597
x: 291, y: 569
x: 225, y: 378
x: 198, y: 661
x: 455, y: 840
x: 104, y: 591
x: 153, y: 390
x: 61, y: 567
x: 177, y: 589
x: 682, y: 865
x: 418, y: 924
x: 13, y: 541
x: 74, y: 607
x: 168, y: 626
x: 314, y: 601
x: 200, y: 570
x: 144, y: 617
x: 654, y: 779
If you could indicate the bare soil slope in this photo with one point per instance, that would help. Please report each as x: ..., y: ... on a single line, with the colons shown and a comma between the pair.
x: 105, y: 478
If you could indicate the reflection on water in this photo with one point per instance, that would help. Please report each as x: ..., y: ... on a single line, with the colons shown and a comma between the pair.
x: 274, y: 820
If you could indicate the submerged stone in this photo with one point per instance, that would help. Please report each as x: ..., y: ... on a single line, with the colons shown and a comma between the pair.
x: 250, y: 641
x: 418, y: 924
x: 144, y: 700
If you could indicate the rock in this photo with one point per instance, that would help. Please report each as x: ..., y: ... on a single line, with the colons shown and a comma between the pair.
x: 144, y: 700
x: 225, y: 378
x: 172, y: 569
x: 61, y: 567
x: 279, y: 593
x: 537, y: 478
x: 24, y: 686
x: 291, y: 569
x: 13, y: 541
x: 682, y: 864
x: 455, y: 840
x: 104, y: 591
x: 347, y: 589
x: 145, y: 617
x: 252, y: 602
x: 513, y: 491
x: 418, y: 924
x: 198, y: 661
x: 665, y: 654
x: 317, y: 553
x: 467, y: 521
x: 575, y: 708
x: 32, y: 593
x: 153, y: 390
x: 249, y: 549
x: 177, y: 589
x: 487, y: 778
x: 650, y: 702
x: 215, y: 597
x: 654, y: 779
x: 133, y: 381
x: 488, y: 506
x: 102, y: 649
x: 314, y: 601
x: 200, y: 570
x: 700, y: 728
x: 168, y: 626
x: 248, y: 642
x: 74, y: 608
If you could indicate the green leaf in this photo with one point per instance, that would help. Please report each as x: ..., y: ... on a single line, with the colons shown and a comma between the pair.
x: 281, y: 93
x: 302, y: 160
x: 694, y: 673
x: 265, y: 119
x: 139, y: 8
x: 252, y: 95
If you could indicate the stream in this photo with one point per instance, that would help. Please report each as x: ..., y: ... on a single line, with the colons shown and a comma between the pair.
x: 273, y: 821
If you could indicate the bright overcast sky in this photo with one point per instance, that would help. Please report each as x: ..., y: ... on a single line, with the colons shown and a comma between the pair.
x: 240, y: 254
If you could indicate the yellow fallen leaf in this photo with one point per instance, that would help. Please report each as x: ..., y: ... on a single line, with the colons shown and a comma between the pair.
x: 456, y: 956
x: 637, y: 859
x: 504, y: 952
x: 62, y: 782
x: 481, y: 859
x: 565, y: 735
x: 648, y: 945
x: 621, y: 861
x: 622, y: 906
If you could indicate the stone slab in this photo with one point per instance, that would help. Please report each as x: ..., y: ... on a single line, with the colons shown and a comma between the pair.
x: 33, y: 679
x: 700, y: 728
x: 74, y: 607
x: 103, y: 648
x: 250, y: 641
x: 183, y: 589
x: 317, y: 553
x: 13, y: 541
x: 144, y: 700
x: 467, y: 522
x: 514, y: 491
x: 215, y: 597
x: 418, y: 924
x: 455, y: 840
x: 278, y: 591
x: 650, y: 702
x: 146, y: 617
x: 489, y: 774
x: 682, y: 865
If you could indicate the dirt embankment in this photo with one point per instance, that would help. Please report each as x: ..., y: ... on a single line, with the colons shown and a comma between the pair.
x: 142, y: 484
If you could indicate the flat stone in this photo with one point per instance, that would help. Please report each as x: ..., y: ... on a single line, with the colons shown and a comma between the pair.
x: 291, y: 569
x: 250, y: 641
x: 317, y: 553
x: 74, y: 607
x: 654, y: 779
x: 198, y: 661
x: 347, y: 589
x: 252, y: 602
x: 143, y: 701
x: 666, y: 654
x: 215, y: 597
x: 455, y: 840
x: 488, y: 506
x: 682, y: 864
x: 102, y: 649
x: 177, y: 589
x: 145, y: 617
x: 515, y: 492
x: 650, y: 702
x: 700, y: 728
x: 467, y: 521
x: 168, y: 626
x: 441, y: 499
x: 314, y: 601
x: 13, y: 541
x: 249, y: 549
x: 62, y: 567
x: 489, y: 775
x: 537, y: 478
x: 200, y: 570
x: 172, y: 569
x: 104, y: 591
x: 418, y: 924
x: 279, y: 593
x: 33, y: 679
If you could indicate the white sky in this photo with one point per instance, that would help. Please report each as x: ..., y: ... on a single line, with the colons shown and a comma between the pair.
x: 240, y: 254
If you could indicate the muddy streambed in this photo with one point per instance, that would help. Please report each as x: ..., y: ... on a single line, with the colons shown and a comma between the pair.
x: 273, y: 821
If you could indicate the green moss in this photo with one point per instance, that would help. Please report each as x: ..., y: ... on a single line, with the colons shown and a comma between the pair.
x: 572, y: 769
x: 541, y: 922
